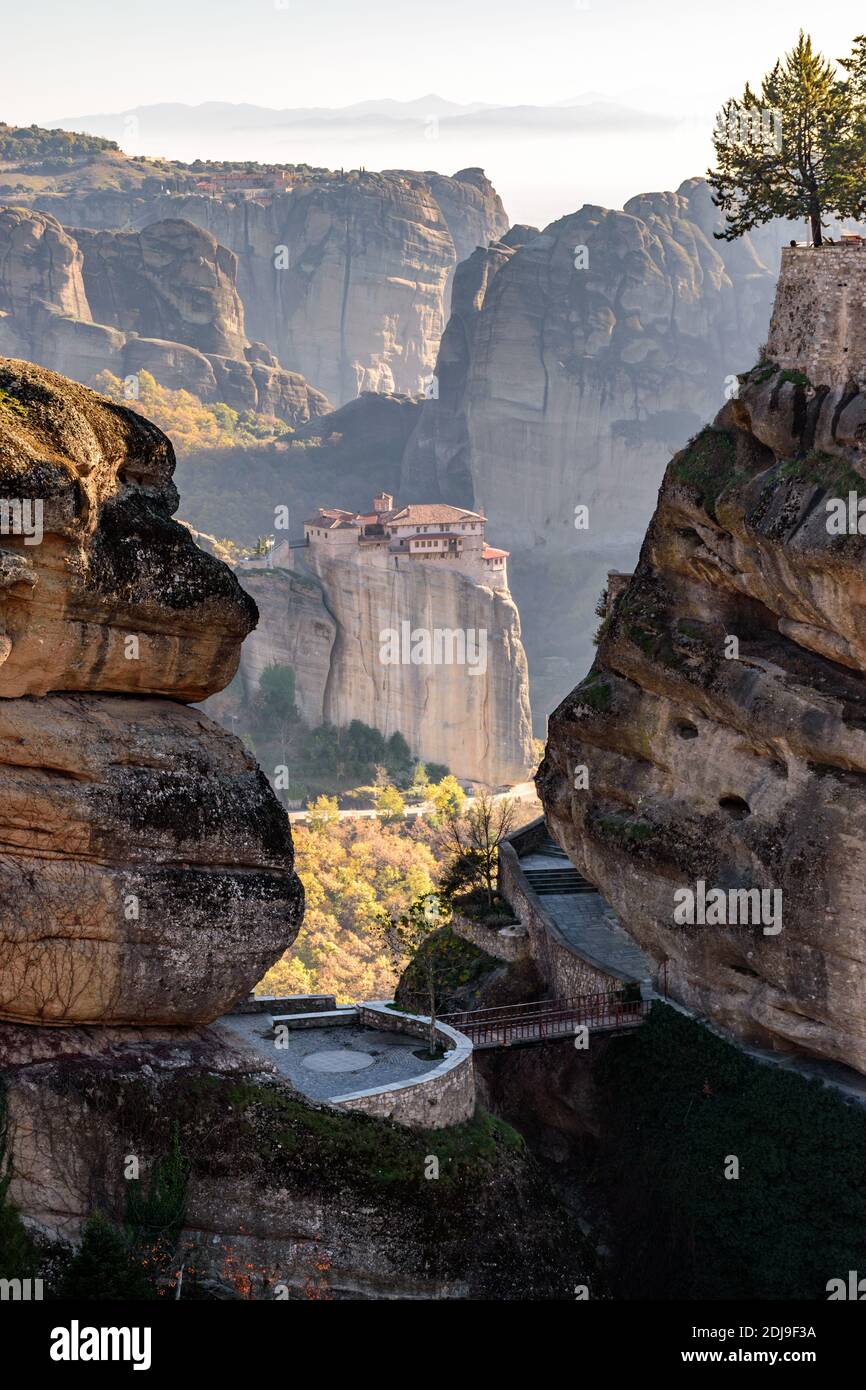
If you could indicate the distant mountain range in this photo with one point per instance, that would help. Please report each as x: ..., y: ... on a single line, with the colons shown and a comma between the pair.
x: 176, y: 120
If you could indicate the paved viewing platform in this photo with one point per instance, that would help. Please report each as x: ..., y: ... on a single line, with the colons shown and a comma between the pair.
x: 329, y: 1061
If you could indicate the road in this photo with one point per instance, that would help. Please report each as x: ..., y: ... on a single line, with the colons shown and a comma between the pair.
x: 523, y: 791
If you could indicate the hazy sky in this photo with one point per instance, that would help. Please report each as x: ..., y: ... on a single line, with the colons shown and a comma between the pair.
x: 96, y: 55
x: 680, y: 56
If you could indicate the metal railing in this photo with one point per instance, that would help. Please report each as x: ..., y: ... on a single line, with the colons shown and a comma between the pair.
x: 548, y: 1018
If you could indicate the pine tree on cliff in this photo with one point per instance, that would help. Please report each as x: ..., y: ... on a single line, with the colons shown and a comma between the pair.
x: 797, y: 149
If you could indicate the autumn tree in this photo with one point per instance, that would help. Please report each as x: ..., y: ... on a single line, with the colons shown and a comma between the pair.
x: 447, y: 799
x: 796, y: 149
x: 323, y: 813
x: 474, y: 838
x: 352, y: 870
x: 411, y: 937
x: 390, y: 805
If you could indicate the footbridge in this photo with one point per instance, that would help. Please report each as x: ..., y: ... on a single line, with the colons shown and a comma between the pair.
x: 544, y: 1019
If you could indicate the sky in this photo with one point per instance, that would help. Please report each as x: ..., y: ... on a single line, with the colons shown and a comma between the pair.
x: 680, y: 57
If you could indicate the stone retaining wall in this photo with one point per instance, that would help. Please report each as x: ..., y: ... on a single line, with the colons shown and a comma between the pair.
x: 284, y: 1003
x: 438, y: 1098
x: 509, y: 948
x: 563, y: 971
x: 819, y: 318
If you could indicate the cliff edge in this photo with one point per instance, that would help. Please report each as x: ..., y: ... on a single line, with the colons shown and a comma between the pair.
x: 717, y: 746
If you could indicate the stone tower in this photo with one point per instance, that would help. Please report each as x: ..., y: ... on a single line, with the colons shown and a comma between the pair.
x: 819, y: 317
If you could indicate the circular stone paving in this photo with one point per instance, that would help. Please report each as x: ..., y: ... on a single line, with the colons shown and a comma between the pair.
x: 340, y: 1059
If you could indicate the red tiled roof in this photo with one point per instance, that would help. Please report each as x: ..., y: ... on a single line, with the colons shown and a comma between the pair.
x: 491, y: 553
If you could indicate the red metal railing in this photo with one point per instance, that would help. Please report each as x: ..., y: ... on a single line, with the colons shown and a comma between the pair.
x: 547, y: 1018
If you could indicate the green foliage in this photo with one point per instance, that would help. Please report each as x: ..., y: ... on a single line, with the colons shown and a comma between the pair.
x: 390, y: 805
x: 709, y: 464
x: 106, y: 1266
x: 447, y: 798
x: 795, y: 377
x: 326, y: 759
x: 322, y: 1147
x: 127, y: 1262
x: 34, y: 142
x: 398, y: 754
x: 625, y: 830
x: 155, y: 1214
x: 277, y: 691
x: 795, y: 150
x: 420, y: 784
x: 594, y: 693
x: 678, y: 1102
x: 8, y: 402
x: 827, y: 470
x: 457, y: 968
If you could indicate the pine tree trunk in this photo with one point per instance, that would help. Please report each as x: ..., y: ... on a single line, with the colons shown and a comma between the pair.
x: 815, y: 219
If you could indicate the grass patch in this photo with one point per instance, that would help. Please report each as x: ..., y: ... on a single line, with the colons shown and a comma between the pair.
x: 11, y: 403
x: 826, y: 470
x: 708, y: 464
x: 594, y: 693
x: 796, y: 378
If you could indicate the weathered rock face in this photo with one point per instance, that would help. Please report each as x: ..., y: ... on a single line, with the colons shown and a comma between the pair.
x: 295, y: 629
x: 145, y: 866
x: 171, y: 280
x: 744, y: 765
x: 573, y: 363
x: 114, y: 594
x: 39, y: 262
x: 281, y: 1192
x: 165, y: 300
x: 346, y: 277
x: 476, y: 721
x: 153, y: 846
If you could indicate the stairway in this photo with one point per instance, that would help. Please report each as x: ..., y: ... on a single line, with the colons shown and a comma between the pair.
x: 550, y: 848
x: 555, y: 880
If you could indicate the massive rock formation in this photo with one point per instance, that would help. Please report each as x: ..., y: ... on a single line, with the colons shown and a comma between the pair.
x: 285, y: 1198
x: 346, y: 276
x: 171, y: 281
x: 574, y: 361
x: 295, y: 629
x: 721, y: 727
x: 164, y: 301
x: 476, y: 721
x: 146, y: 868
x: 107, y: 592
